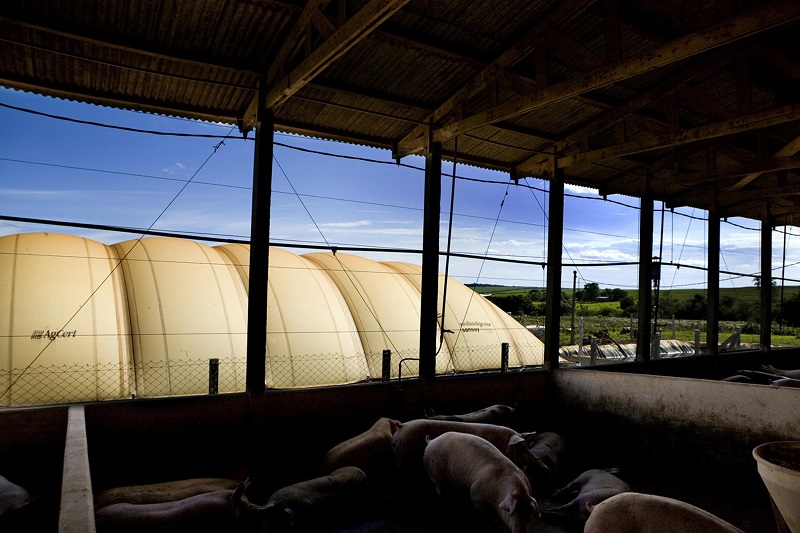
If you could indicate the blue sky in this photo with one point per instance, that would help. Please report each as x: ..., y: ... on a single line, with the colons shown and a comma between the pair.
x: 61, y: 170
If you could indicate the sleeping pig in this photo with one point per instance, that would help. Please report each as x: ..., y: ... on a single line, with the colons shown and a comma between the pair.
x: 592, y: 487
x: 633, y: 512
x: 211, y: 512
x: 305, y: 505
x: 169, y: 491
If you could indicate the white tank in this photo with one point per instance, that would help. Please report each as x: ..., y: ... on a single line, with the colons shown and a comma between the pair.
x: 63, y: 321
x: 311, y: 337
x: 82, y: 321
x: 476, y: 328
x: 187, y: 305
x: 385, y: 308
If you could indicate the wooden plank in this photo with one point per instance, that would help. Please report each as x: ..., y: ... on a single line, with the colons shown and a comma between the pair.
x: 351, y: 33
x: 747, y: 24
x: 77, y: 501
x: 763, y: 119
x: 789, y: 150
x: 697, y: 178
x: 413, y: 141
x: 655, y: 92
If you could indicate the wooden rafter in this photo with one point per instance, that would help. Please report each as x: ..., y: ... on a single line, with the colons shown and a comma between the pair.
x: 413, y: 141
x: 785, y: 152
x: 771, y: 117
x: 360, y: 25
x: 744, y: 25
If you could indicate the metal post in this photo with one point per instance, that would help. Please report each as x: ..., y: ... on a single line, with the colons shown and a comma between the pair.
x: 259, y: 251
x: 697, y: 342
x: 712, y: 294
x: 386, y: 368
x: 580, y: 344
x: 766, y: 287
x: 428, y: 319
x: 572, y: 323
x: 504, y: 357
x: 555, y: 236
x: 643, y: 344
x: 592, y: 350
x: 656, y: 346
x: 213, y: 376
x: 633, y: 335
x: 673, y: 327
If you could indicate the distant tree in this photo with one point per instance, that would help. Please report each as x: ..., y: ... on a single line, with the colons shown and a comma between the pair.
x: 591, y: 291
x: 537, y: 295
x: 627, y: 303
x: 618, y: 294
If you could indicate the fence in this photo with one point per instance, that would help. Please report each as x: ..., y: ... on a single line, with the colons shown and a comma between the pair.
x: 47, y: 385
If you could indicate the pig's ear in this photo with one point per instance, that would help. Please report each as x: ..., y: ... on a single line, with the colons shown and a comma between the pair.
x: 508, y: 504
x: 394, y: 425
x: 529, y: 436
x: 515, y: 439
x: 236, y: 497
x: 612, y: 470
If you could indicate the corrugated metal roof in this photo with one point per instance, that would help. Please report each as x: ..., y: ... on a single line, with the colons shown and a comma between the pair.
x: 700, y: 98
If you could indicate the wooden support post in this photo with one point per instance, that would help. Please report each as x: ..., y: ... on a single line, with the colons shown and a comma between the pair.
x: 766, y: 286
x: 645, y: 270
x: 504, y: 357
x: 213, y: 376
x: 555, y: 235
x: 430, y: 269
x: 386, y: 367
x: 712, y: 295
x: 259, y: 252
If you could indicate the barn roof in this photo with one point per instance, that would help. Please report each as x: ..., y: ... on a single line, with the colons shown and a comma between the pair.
x: 695, y: 101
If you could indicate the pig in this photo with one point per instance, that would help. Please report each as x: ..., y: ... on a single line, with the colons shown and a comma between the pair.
x: 549, y: 450
x: 794, y: 374
x: 408, y: 442
x: 370, y: 451
x: 305, y: 505
x: 592, y: 487
x: 634, y: 512
x: 218, y: 511
x: 467, y: 463
x: 169, y: 491
x: 13, y: 500
x: 499, y: 414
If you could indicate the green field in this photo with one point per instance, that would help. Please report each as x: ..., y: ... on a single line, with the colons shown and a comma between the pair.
x: 614, y: 325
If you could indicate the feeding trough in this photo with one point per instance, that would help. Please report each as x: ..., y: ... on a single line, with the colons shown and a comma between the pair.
x: 779, y: 467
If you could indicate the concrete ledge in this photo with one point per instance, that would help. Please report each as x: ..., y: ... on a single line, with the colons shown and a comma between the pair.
x: 77, y: 505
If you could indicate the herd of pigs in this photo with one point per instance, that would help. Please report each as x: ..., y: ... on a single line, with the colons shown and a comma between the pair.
x: 473, y: 464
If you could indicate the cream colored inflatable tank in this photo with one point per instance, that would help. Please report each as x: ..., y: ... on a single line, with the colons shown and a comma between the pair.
x: 385, y: 308
x: 63, y: 321
x: 477, y: 327
x: 187, y: 305
x: 311, y: 337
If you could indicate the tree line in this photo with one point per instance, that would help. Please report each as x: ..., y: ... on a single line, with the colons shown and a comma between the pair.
x: 695, y: 308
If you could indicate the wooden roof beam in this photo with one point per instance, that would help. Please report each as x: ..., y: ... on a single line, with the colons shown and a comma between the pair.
x: 643, y: 99
x: 763, y: 18
x: 360, y: 25
x: 696, y: 178
x: 413, y: 141
x: 789, y: 150
x: 763, y: 119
